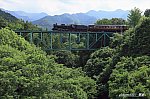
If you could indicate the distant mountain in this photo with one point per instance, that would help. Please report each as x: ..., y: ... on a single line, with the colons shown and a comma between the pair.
x: 108, y: 14
x: 10, y: 21
x: 46, y: 21
x: 79, y: 18
x: 26, y: 16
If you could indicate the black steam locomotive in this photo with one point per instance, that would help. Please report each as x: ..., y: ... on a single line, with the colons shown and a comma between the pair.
x: 89, y: 28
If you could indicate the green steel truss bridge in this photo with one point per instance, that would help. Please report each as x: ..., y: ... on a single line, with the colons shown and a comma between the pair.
x: 62, y: 40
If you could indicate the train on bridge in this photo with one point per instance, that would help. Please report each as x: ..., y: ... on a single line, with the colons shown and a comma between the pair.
x: 89, y: 28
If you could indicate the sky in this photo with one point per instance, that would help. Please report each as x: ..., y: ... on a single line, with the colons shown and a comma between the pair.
x: 57, y: 7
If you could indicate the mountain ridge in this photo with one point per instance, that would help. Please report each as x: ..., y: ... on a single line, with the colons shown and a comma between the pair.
x: 119, y: 13
x: 25, y: 15
x: 47, y: 21
x: 89, y: 17
x: 79, y: 18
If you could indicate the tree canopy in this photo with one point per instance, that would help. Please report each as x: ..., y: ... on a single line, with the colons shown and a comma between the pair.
x: 113, y: 21
x: 147, y: 13
x: 123, y: 68
x: 27, y: 72
x: 134, y: 16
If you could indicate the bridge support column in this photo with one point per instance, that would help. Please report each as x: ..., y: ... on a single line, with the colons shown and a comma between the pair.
x: 96, y: 37
x: 31, y: 37
x: 60, y: 38
x: 51, y: 41
x: 88, y: 34
x: 69, y: 41
x: 79, y: 37
x: 20, y: 34
x: 41, y: 36
x: 104, y: 39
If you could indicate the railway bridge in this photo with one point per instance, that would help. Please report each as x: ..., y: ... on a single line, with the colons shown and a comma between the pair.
x: 65, y: 40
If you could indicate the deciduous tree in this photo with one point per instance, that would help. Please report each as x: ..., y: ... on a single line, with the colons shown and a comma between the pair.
x: 134, y: 17
x: 147, y: 13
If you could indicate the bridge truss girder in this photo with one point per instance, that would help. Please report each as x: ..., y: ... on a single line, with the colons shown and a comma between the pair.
x: 56, y: 40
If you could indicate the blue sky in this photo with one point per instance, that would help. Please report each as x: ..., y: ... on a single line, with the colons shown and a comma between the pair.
x: 53, y: 7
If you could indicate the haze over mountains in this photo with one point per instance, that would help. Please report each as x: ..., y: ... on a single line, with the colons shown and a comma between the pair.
x: 26, y: 16
x: 108, y: 14
x: 47, y: 21
x: 80, y: 18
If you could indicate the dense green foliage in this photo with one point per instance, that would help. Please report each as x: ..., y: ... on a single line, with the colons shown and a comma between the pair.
x: 98, y: 67
x: 131, y: 75
x: 147, y: 13
x: 98, y: 61
x: 123, y: 68
x: 27, y: 72
x: 140, y: 43
x: 136, y: 41
x: 134, y: 17
x: 113, y: 21
x: 7, y: 16
x: 132, y: 72
x: 67, y: 58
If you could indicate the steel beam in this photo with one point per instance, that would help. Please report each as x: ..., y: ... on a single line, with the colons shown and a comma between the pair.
x: 87, y: 40
x: 51, y: 41
x: 70, y: 41
x: 100, y: 37
x: 31, y: 37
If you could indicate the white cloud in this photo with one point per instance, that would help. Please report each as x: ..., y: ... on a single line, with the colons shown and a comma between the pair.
x: 72, y: 6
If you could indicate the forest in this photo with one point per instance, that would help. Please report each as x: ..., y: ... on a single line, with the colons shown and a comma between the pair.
x: 120, y: 70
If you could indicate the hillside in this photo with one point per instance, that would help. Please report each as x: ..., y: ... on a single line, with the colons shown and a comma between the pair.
x: 28, y: 73
x: 7, y: 16
x: 79, y: 18
x: 26, y: 16
x: 10, y: 21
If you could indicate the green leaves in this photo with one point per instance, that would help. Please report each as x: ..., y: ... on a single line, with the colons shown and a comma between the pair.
x: 113, y: 21
x: 147, y: 13
x: 134, y: 17
x: 98, y: 61
x: 27, y: 72
x: 99, y: 68
x: 125, y: 69
x: 67, y: 58
x: 131, y: 75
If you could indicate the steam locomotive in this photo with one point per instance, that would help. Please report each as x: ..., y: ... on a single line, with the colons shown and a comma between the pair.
x: 90, y: 28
